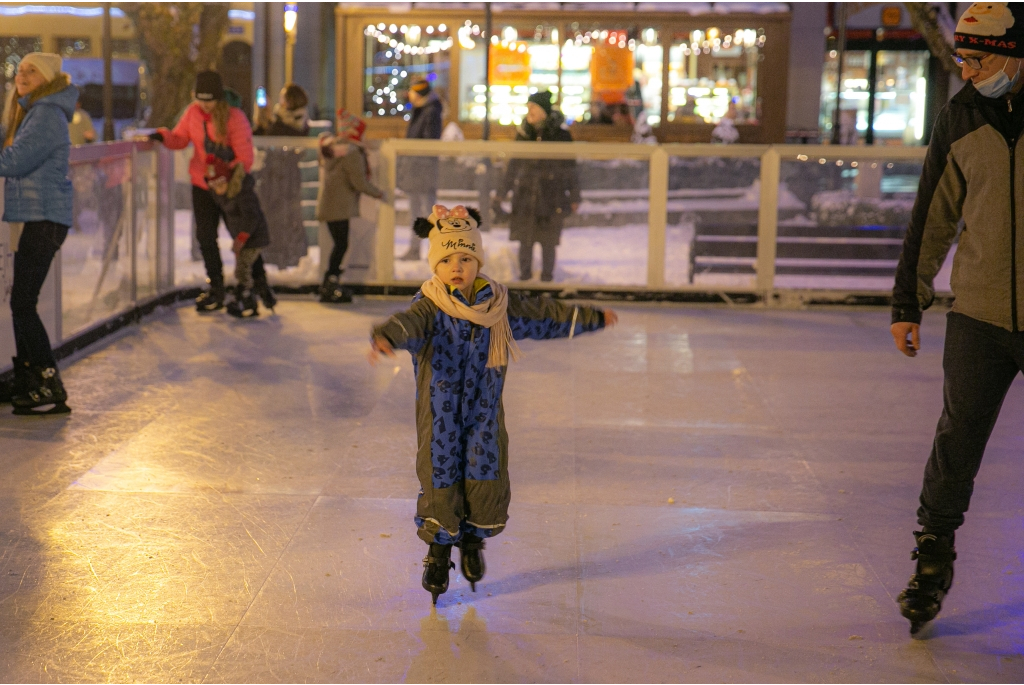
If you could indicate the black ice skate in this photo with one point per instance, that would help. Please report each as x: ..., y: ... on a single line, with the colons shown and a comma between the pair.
x: 244, y: 305
x: 333, y: 292
x: 471, y: 559
x: 212, y: 299
x: 435, y: 570
x: 265, y: 292
x: 43, y: 393
x: 922, y: 600
x: 17, y: 383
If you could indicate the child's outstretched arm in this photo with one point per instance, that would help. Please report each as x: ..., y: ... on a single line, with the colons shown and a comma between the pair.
x: 406, y: 330
x: 543, y: 318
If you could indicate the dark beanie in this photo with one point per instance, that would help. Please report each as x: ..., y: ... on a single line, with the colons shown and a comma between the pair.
x: 542, y: 99
x: 995, y: 27
x: 209, y: 86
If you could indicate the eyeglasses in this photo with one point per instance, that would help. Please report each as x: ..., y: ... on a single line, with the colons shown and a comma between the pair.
x: 972, y: 62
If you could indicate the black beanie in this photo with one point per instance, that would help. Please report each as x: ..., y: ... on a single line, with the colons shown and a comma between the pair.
x: 209, y: 86
x: 542, y: 99
x: 995, y: 27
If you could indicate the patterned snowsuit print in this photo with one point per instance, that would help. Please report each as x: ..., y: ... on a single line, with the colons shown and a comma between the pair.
x: 462, y: 459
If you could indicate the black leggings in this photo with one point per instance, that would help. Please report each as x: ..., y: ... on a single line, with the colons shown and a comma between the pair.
x: 208, y: 215
x: 39, y: 242
x: 339, y: 234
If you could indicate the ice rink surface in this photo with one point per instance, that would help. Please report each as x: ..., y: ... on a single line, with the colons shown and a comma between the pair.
x: 699, y: 495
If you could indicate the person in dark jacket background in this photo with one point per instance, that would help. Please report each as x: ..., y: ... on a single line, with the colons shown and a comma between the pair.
x: 544, y: 191
x: 34, y: 149
x: 290, y: 116
x: 972, y: 172
x: 417, y: 176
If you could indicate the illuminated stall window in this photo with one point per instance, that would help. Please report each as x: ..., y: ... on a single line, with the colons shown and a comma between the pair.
x: 713, y: 74
x: 396, y: 55
x: 522, y: 61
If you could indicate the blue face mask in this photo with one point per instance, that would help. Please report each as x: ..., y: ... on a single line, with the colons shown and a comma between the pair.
x: 998, y: 84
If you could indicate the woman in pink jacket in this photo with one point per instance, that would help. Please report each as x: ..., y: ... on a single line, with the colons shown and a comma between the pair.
x: 214, y: 128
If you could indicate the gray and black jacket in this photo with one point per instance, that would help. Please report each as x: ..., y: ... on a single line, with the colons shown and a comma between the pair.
x: 974, y: 171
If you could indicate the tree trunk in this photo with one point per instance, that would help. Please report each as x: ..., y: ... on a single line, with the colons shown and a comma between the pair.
x: 178, y: 39
x: 924, y: 17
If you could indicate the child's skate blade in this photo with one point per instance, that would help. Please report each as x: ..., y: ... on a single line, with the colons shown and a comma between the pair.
x: 472, y: 586
x: 434, y: 596
x: 58, y: 408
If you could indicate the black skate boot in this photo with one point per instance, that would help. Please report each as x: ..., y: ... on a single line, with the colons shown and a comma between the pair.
x: 471, y: 559
x: 922, y: 600
x: 17, y: 383
x: 244, y: 303
x: 435, y: 570
x: 212, y: 299
x: 43, y: 393
x: 333, y: 292
x: 264, y: 292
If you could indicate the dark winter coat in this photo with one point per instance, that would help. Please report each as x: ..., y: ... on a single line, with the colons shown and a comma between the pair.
x: 35, y: 165
x: 462, y: 461
x: 541, y: 188
x: 419, y: 174
x: 242, y: 214
x: 974, y: 170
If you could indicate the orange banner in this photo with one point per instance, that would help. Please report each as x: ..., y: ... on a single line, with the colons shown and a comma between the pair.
x: 611, y: 68
x: 510, y: 66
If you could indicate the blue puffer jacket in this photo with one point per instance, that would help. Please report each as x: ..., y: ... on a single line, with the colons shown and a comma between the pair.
x: 35, y: 165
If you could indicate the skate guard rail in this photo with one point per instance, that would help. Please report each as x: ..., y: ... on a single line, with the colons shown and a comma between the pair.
x: 769, y: 157
x: 119, y: 254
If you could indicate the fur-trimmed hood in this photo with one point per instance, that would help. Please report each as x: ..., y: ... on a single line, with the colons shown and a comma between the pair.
x: 58, y: 92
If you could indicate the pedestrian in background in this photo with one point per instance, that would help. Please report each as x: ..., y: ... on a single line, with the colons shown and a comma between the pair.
x: 544, y: 191
x: 214, y: 127
x: 344, y: 175
x: 417, y: 176
x: 972, y: 173
x: 38, y: 206
x: 290, y: 116
x: 80, y: 128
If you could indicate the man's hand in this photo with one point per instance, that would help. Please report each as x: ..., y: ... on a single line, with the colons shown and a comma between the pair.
x: 900, y: 332
x: 378, y: 347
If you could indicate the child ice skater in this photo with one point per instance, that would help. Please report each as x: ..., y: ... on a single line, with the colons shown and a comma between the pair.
x: 461, y: 331
x: 235, y: 192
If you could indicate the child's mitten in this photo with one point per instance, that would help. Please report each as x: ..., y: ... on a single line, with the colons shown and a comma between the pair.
x: 240, y: 240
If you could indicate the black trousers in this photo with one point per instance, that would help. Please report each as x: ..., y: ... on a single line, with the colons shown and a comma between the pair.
x: 980, y: 362
x: 208, y: 215
x: 37, y: 247
x: 339, y: 234
x: 546, y: 231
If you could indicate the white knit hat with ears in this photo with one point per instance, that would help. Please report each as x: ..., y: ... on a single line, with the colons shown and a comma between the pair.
x: 46, y: 63
x: 451, y: 231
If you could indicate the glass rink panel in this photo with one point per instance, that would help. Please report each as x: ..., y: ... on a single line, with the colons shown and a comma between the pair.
x: 711, y: 232
x: 96, y: 258
x: 841, y: 221
x: 591, y: 215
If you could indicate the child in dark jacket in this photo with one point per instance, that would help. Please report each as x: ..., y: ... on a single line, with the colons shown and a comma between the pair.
x: 461, y: 330
x: 235, y: 191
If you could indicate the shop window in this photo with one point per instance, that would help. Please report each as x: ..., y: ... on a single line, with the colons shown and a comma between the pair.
x: 523, y: 60
x: 713, y: 74
x: 74, y: 47
x: 395, y: 56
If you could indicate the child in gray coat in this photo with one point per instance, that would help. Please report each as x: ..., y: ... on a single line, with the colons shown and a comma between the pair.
x: 344, y: 174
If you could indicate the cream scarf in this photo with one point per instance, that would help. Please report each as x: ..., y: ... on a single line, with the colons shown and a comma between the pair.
x: 492, y: 314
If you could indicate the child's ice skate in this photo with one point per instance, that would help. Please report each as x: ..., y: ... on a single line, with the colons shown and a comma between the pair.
x: 921, y: 601
x: 471, y: 559
x: 244, y: 305
x: 264, y: 291
x: 435, y: 570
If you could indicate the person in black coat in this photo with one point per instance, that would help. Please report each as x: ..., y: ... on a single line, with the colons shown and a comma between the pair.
x: 417, y: 176
x: 544, y: 191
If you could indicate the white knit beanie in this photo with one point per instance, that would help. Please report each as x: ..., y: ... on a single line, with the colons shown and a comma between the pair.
x: 452, y: 231
x: 46, y: 63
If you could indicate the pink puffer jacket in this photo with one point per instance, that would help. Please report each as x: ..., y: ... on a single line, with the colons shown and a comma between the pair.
x: 190, y: 130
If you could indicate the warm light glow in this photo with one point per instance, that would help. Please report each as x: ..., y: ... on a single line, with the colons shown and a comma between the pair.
x: 291, y: 15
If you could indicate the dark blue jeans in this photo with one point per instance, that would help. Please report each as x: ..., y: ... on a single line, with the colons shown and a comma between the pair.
x: 980, y: 362
x: 38, y: 244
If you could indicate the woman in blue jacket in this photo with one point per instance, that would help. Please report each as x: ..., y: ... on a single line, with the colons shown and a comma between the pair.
x: 34, y: 149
